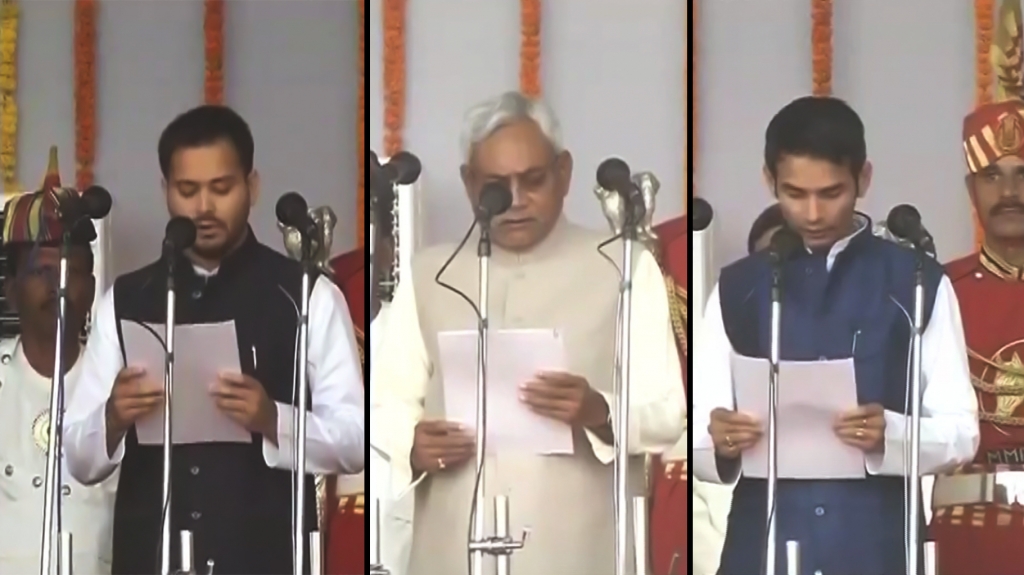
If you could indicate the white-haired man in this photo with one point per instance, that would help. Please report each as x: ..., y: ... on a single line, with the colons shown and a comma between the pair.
x: 545, y: 273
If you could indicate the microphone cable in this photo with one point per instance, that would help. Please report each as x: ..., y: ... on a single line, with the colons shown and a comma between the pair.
x: 478, y: 474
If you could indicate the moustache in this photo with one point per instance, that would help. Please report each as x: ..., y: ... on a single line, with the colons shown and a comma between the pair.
x: 1007, y: 207
x: 209, y: 223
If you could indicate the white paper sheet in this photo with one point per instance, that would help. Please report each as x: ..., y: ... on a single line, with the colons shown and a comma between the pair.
x: 514, y: 357
x: 812, y: 394
x: 201, y: 352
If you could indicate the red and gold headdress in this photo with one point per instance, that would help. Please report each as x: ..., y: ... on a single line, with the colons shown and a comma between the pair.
x: 34, y: 218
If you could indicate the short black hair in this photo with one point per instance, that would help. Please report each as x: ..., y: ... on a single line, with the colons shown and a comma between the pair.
x: 203, y: 126
x: 816, y: 127
x: 15, y: 255
x: 770, y: 218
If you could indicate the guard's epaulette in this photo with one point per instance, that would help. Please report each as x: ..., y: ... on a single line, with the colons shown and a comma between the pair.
x: 963, y: 267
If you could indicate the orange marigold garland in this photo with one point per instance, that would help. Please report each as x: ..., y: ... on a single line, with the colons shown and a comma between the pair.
x: 9, y: 17
x: 984, y: 26
x: 213, y: 33
x: 85, y: 91
x: 529, y: 49
x: 693, y: 101
x: 394, y: 75
x: 821, y: 47
x: 361, y: 125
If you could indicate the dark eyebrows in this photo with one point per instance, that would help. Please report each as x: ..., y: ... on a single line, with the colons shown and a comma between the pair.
x: 827, y: 190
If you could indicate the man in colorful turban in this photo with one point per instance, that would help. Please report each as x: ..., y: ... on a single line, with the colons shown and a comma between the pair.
x: 978, y: 529
x: 32, y: 234
x: 344, y: 523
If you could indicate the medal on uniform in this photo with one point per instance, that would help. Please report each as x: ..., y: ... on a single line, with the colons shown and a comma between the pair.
x: 41, y: 430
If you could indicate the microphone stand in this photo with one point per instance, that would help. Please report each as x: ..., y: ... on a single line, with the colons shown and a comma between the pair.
x: 170, y: 326
x: 52, y: 485
x: 501, y: 545
x: 303, y: 401
x: 630, y: 235
x: 914, y: 508
x: 773, y: 402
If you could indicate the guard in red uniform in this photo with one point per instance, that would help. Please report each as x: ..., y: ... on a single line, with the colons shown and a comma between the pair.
x: 978, y: 521
x: 344, y: 522
x: 669, y: 485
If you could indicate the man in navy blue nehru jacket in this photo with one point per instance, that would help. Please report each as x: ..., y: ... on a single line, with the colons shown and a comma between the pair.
x: 235, y: 498
x: 846, y: 295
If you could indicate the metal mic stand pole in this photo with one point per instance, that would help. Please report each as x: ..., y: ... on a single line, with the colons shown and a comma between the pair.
x: 501, y: 545
x: 914, y: 508
x: 52, y: 488
x: 773, y: 402
x: 621, y: 444
x: 303, y: 402
x: 165, y: 528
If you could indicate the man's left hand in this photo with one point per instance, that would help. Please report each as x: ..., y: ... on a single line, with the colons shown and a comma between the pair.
x: 863, y: 428
x: 244, y: 400
x: 567, y: 398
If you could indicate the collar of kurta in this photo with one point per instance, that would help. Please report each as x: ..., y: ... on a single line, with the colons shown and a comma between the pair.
x: 999, y: 267
x: 548, y: 247
x: 184, y: 270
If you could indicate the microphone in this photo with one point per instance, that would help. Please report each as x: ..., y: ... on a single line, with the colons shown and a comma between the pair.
x: 179, y: 235
x: 785, y: 243
x: 293, y: 211
x: 701, y: 215
x: 402, y: 169
x: 495, y: 199
x: 614, y: 174
x: 94, y: 204
x: 904, y: 222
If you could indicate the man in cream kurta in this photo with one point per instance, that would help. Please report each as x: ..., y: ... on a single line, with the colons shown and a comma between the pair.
x: 545, y: 273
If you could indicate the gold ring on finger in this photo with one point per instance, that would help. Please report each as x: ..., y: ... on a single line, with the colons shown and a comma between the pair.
x: 860, y: 433
x: 728, y: 442
x: 440, y: 463
x: 863, y: 423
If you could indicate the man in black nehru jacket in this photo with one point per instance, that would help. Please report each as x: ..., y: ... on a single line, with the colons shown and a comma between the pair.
x: 235, y: 498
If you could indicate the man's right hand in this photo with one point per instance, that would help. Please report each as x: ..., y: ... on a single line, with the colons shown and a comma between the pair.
x: 733, y: 432
x: 440, y: 445
x: 133, y: 397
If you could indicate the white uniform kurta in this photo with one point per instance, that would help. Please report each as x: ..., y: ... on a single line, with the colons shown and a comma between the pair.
x: 88, y: 512
x: 566, y: 501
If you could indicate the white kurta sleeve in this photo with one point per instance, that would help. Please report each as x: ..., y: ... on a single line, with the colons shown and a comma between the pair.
x: 85, y: 421
x: 657, y: 400
x: 399, y: 372
x: 711, y: 389
x: 949, y: 407
x: 335, y: 430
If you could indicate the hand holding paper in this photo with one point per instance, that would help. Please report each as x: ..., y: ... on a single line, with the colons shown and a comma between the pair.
x: 733, y: 432
x: 863, y: 427
x: 135, y: 395
x: 244, y: 400
x: 565, y: 397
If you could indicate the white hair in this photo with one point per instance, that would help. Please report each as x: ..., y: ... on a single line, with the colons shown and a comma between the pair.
x: 486, y: 118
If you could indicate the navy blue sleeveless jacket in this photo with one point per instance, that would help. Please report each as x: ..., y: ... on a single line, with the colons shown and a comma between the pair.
x: 862, y: 308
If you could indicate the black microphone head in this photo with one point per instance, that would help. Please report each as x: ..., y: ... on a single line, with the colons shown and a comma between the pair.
x: 96, y: 202
x: 785, y: 243
x: 701, y: 215
x: 495, y: 199
x: 407, y: 168
x: 613, y: 174
x: 904, y: 221
x: 180, y: 233
x: 292, y: 209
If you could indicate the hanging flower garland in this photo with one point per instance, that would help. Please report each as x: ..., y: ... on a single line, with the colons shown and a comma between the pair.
x: 213, y: 33
x: 821, y: 47
x: 8, y: 94
x: 984, y: 25
x: 361, y: 124
x: 394, y: 75
x: 529, y: 48
x: 85, y: 91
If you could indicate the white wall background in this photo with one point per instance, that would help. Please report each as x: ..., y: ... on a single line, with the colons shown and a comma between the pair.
x: 291, y: 70
x: 614, y: 71
x: 907, y: 67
